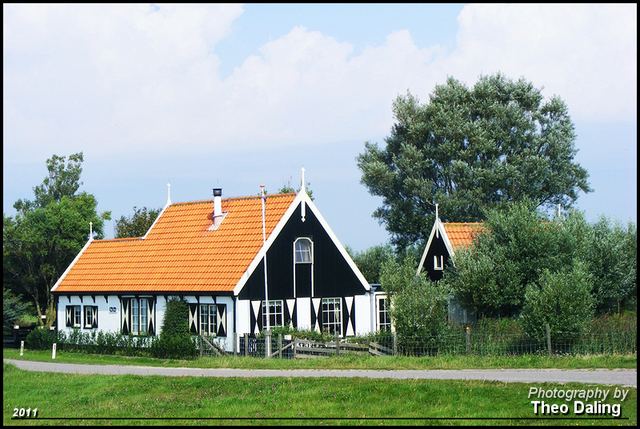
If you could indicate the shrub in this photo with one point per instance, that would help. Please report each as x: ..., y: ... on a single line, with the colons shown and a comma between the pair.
x: 40, y: 339
x: 563, y: 300
x: 175, y: 341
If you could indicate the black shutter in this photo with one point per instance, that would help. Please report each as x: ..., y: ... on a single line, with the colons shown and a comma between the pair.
x: 125, y: 314
x: 69, y: 316
x: 193, y: 318
x: 221, y: 319
x: 94, y: 314
x: 151, y: 316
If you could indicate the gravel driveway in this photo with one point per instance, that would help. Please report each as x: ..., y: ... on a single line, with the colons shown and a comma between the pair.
x: 623, y: 377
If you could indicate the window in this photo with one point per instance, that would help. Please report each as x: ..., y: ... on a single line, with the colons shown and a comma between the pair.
x: 90, y: 317
x: 208, y: 322
x: 384, y: 321
x: 135, y: 316
x: 275, y: 314
x: 332, y: 315
x: 73, y: 315
x: 303, y: 251
x: 139, y: 316
x: 76, y: 316
x: 438, y: 262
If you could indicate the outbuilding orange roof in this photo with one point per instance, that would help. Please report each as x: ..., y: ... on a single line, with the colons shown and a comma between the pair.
x: 461, y: 234
x: 180, y: 253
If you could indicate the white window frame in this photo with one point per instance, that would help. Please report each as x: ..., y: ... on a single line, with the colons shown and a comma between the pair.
x: 437, y: 266
x: 303, y: 254
x: 208, y: 319
x: 276, y: 313
x: 334, y: 313
x: 88, y: 317
x: 138, y: 317
x: 144, y: 322
x: 384, y: 320
x: 77, y: 316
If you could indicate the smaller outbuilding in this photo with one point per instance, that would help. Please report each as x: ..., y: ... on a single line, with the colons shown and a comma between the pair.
x: 445, y: 239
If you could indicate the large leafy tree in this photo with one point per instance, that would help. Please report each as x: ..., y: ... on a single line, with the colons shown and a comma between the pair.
x: 612, y: 258
x: 138, y: 224
x: 468, y: 150
x: 47, y: 233
x: 518, y: 244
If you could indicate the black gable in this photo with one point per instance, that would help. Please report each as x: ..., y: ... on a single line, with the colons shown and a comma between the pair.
x: 332, y: 275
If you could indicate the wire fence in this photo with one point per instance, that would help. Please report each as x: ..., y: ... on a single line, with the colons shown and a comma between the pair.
x: 466, y: 343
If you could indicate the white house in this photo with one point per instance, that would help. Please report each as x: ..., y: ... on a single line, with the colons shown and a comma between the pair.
x: 212, y: 253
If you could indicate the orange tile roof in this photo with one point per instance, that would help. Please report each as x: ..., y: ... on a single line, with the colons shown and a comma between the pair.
x: 461, y: 234
x: 179, y: 254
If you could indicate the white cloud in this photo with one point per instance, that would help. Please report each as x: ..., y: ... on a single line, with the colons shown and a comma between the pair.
x: 130, y: 77
x: 585, y: 53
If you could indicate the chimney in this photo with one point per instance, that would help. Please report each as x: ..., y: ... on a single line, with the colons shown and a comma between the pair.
x: 218, y: 216
x: 217, y: 202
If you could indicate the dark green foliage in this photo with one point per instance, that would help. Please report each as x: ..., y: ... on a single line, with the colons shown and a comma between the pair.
x: 518, y: 245
x: 174, y: 347
x: 175, y: 341
x: 40, y: 339
x: 46, y: 234
x: 138, y: 224
x: 469, y: 150
x: 176, y: 318
x: 12, y: 309
x: 561, y: 299
x: 104, y: 342
x: 370, y: 261
x: 418, y: 306
x: 612, y: 256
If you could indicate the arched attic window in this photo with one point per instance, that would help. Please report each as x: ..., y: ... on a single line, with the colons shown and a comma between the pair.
x: 303, y: 250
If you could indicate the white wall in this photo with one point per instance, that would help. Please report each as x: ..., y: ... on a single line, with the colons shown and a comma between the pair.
x: 108, y: 321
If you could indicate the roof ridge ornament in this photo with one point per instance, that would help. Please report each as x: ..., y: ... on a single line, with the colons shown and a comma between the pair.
x: 303, y: 209
x: 168, y: 194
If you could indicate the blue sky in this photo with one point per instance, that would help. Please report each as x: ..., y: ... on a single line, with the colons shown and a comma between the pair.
x: 237, y: 96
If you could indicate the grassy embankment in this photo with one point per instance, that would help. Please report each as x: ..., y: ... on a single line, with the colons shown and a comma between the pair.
x: 98, y: 399
x: 346, y: 361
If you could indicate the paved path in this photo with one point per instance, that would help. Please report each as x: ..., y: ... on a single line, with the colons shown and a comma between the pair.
x: 623, y: 377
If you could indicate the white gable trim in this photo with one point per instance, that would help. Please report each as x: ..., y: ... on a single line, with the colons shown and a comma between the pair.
x: 439, y: 227
x: 157, y: 218
x: 53, y: 289
x: 301, y: 198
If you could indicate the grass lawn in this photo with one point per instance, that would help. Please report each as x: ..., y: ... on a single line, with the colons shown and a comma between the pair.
x: 345, y: 361
x: 74, y: 399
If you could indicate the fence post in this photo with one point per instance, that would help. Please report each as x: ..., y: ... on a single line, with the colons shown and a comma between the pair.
x: 267, y: 344
x: 295, y: 343
x: 337, y: 344
x: 246, y: 344
x: 468, y: 342
x: 200, y: 339
x: 395, y: 344
x: 53, y: 352
x: 235, y: 344
x: 548, y: 339
x: 280, y: 346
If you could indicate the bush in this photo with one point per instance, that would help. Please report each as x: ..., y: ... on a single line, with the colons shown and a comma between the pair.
x: 173, y: 347
x: 175, y: 341
x: 40, y: 339
x: 563, y: 300
x: 418, y: 306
